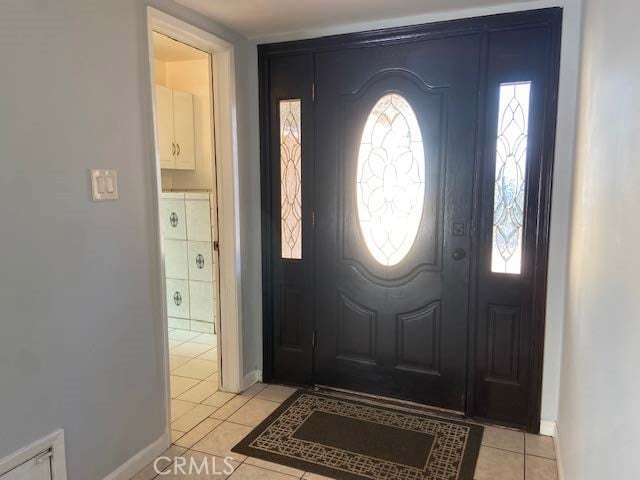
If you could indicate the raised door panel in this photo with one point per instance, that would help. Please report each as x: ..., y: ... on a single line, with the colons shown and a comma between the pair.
x: 184, y: 130
x: 503, y: 344
x: 292, y: 315
x: 164, y: 113
x: 419, y: 339
x: 356, y: 331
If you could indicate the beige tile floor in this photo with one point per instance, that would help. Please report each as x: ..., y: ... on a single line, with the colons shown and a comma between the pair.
x: 207, y: 423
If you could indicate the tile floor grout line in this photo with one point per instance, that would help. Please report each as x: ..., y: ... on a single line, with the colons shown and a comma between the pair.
x: 518, y: 453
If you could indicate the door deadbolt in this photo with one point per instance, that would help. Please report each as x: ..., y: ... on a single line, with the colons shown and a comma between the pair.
x: 458, y: 254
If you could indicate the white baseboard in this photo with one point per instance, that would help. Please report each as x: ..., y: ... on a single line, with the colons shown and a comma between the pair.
x: 556, y: 443
x: 548, y: 428
x: 54, y: 441
x: 136, y: 463
x: 250, y: 378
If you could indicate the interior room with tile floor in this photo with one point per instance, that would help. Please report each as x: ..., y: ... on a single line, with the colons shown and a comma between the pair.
x: 206, y: 422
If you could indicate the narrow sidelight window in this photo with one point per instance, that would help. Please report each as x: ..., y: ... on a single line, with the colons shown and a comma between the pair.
x: 291, y: 179
x: 511, y: 168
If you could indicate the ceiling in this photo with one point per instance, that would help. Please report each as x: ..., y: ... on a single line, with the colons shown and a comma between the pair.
x: 167, y: 49
x: 261, y: 18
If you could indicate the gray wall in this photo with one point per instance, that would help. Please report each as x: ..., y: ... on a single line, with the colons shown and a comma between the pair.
x: 600, y: 387
x: 80, y: 319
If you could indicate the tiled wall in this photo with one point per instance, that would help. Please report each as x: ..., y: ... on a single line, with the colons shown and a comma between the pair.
x: 188, y: 231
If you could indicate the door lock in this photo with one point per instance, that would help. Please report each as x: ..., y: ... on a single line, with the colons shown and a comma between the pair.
x: 458, y: 254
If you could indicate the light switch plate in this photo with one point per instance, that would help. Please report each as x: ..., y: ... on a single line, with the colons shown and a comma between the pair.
x: 104, y: 184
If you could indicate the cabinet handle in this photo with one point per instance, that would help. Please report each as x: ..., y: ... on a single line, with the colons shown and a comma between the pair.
x: 178, y: 148
x: 173, y: 145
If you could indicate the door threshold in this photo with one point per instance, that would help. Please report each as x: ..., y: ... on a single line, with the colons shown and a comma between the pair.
x: 396, y: 402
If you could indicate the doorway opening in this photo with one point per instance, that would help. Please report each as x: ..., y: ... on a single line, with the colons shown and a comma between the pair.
x: 189, y: 213
x: 192, y: 83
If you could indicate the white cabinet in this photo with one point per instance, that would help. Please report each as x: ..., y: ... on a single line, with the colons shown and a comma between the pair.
x: 164, y: 112
x: 184, y: 131
x: 176, y: 129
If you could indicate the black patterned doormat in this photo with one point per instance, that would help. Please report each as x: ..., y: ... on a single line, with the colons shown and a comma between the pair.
x: 355, y: 440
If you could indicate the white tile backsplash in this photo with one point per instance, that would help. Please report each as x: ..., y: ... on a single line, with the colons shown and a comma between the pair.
x: 189, y: 259
x: 198, y: 220
x: 174, y: 225
x: 200, y: 265
x: 176, y: 262
x: 201, y: 300
x: 177, y: 298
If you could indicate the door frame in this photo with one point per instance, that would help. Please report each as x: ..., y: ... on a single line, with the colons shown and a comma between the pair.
x: 225, y: 146
x: 396, y: 35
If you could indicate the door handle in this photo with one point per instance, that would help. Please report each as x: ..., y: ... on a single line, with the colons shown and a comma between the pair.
x: 458, y: 254
x: 174, y: 148
x: 178, y: 148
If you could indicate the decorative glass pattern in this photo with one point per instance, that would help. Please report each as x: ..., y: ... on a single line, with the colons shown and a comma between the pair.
x: 291, y: 179
x: 390, y: 179
x: 511, y: 167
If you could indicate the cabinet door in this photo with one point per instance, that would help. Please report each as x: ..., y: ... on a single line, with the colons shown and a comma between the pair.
x: 164, y: 112
x: 184, y: 130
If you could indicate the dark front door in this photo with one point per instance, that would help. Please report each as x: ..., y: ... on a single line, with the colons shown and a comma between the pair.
x: 394, y: 169
x: 406, y: 188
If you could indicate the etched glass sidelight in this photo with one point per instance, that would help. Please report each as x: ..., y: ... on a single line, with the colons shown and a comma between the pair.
x: 510, y: 177
x: 390, y: 179
x: 291, y: 179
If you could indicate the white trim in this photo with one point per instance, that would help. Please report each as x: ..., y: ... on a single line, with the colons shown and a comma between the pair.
x: 418, y: 19
x: 54, y: 440
x: 556, y: 444
x: 226, y: 155
x: 548, y: 428
x: 140, y: 460
x: 251, y: 378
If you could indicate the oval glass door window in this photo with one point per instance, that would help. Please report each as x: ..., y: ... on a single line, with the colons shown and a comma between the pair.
x: 390, y: 180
